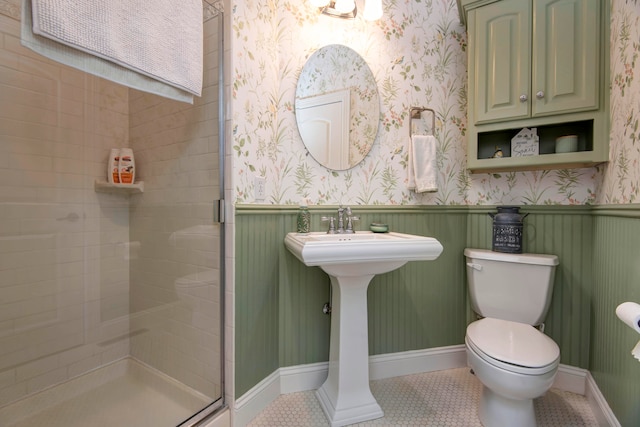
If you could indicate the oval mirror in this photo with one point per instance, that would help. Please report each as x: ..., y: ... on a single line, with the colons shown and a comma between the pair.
x: 337, y: 107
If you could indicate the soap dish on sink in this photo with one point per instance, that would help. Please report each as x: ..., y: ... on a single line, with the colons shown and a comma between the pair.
x: 376, y: 227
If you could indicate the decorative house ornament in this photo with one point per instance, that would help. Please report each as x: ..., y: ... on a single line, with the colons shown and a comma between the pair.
x: 525, y: 143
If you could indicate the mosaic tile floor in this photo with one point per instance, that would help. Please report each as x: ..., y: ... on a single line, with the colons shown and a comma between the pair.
x: 444, y: 398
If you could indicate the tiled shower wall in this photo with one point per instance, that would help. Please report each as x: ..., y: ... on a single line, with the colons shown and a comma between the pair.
x: 64, y: 278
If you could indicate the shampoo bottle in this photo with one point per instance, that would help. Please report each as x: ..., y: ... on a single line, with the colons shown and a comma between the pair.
x: 127, y: 166
x: 113, y: 171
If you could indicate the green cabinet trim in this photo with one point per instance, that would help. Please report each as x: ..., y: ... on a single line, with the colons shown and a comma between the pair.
x: 465, y: 6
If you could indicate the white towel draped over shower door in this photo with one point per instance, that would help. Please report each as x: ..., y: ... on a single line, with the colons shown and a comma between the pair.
x: 422, y: 166
x: 139, y: 43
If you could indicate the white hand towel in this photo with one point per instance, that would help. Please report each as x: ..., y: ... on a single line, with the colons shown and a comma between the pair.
x: 151, y: 46
x: 422, y: 167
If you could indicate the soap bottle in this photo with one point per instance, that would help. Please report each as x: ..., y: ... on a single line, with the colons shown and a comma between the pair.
x: 113, y: 172
x: 304, y: 219
x: 127, y: 167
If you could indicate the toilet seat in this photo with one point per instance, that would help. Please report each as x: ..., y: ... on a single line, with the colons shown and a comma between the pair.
x: 516, y: 347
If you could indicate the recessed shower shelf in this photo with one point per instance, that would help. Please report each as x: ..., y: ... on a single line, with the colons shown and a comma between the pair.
x: 107, y: 187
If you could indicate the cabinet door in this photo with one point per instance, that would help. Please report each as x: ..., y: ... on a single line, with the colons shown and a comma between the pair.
x: 502, y: 57
x: 566, y: 50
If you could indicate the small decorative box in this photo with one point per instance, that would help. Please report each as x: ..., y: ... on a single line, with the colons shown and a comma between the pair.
x: 525, y: 143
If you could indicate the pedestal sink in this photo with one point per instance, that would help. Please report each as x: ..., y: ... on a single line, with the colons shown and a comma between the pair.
x: 352, y: 260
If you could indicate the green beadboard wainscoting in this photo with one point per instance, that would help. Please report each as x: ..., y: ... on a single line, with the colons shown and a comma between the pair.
x: 279, y: 319
x: 278, y: 309
x: 616, y: 279
x: 257, y: 278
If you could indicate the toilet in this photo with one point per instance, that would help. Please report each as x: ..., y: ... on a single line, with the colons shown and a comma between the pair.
x: 512, y: 358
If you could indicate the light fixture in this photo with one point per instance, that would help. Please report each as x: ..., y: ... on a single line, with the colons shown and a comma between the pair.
x: 372, y: 10
x: 347, y: 9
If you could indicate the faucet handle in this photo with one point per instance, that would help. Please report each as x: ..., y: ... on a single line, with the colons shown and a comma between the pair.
x: 332, y: 224
x: 350, y: 220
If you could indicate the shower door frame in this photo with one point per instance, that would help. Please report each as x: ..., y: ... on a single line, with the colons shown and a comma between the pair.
x: 218, y: 208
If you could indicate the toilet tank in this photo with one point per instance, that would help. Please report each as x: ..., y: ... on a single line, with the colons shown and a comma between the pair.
x: 514, y: 287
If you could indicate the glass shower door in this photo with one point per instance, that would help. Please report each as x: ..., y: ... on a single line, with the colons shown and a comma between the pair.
x: 175, y: 292
x: 110, y: 299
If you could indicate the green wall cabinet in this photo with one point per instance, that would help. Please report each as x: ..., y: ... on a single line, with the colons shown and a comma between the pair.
x: 537, y: 64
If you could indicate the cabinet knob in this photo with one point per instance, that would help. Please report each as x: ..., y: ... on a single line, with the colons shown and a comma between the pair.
x: 523, y: 98
x: 540, y: 95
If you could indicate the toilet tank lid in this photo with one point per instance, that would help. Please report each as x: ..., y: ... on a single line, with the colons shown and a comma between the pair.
x: 540, y: 259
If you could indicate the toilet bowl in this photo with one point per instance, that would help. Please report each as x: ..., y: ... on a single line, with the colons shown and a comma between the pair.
x: 512, y: 358
x: 515, y: 364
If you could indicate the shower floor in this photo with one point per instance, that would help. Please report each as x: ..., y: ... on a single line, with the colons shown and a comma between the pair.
x: 124, y: 393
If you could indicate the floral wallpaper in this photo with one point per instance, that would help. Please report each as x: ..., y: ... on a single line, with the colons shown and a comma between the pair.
x: 621, y: 182
x: 417, y: 53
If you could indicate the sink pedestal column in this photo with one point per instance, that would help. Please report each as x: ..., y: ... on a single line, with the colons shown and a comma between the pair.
x: 351, y: 261
x: 345, y: 396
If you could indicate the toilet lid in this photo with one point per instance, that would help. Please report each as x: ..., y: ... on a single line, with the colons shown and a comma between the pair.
x: 512, y: 342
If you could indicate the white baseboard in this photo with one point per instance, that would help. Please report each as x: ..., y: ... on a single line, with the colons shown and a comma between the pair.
x: 414, y: 362
x: 571, y: 379
x: 599, y: 406
x: 256, y: 400
x: 310, y: 377
x: 302, y: 378
x: 580, y: 381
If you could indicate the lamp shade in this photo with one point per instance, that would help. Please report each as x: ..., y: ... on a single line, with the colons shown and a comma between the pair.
x: 372, y: 10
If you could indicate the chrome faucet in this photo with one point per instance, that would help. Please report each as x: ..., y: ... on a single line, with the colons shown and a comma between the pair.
x: 345, y: 222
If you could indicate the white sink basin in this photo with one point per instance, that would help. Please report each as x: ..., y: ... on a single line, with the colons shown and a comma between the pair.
x: 351, y: 260
x: 341, y: 254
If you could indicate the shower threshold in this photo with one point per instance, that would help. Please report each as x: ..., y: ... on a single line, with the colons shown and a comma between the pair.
x: 124, y: 393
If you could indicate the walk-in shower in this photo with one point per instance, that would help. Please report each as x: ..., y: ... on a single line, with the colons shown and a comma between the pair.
x: 111, y: 301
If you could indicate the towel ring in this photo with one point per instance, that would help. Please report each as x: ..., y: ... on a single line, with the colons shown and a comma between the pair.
x: 416, y: 113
